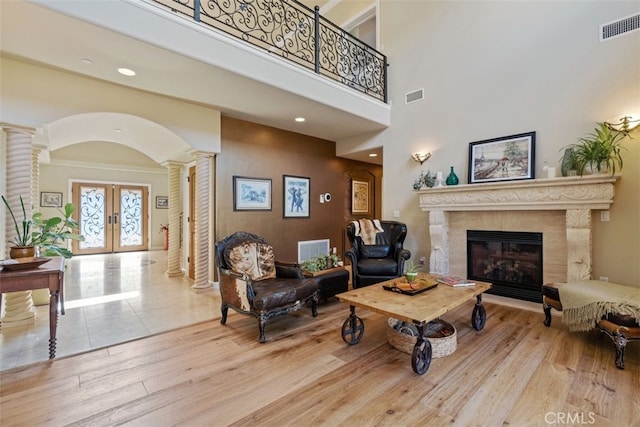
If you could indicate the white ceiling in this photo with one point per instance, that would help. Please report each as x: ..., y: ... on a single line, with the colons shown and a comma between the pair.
x: 36, y: 34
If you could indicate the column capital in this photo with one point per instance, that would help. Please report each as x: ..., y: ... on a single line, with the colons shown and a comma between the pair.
x: 172, y: 164
x: 199, y: 154
x: 11, y: 128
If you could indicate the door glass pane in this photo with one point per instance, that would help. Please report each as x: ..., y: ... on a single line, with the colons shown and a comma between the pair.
x: 92, y: 217
x: 130, y: 217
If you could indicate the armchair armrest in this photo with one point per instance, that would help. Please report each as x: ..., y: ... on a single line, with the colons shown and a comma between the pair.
x: 290, y: 270
x: 402, y: 256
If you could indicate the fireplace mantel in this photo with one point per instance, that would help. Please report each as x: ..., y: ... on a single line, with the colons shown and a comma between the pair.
x: 576, y: 196
x: 586, y: 192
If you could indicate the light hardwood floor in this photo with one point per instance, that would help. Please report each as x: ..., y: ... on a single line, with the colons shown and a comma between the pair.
x: 514, y: 372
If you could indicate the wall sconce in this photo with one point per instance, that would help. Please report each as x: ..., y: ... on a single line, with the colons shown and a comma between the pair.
x: 625, y: 124
x: 421, y: 157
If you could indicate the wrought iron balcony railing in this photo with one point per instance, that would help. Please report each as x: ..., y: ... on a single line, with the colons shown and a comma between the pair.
x: 298, y: 34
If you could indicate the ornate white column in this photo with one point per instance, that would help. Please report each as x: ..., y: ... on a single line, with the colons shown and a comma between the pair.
x: 38, y: 296
x: 18, y: 305
x: 175, y: 209
x: 203, y: 230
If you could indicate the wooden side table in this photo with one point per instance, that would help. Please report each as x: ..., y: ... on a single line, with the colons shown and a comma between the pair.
x: 49, y: 275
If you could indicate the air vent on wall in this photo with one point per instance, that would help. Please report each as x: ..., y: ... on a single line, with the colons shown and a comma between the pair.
x: 620, y: 27
x: 416, y: 95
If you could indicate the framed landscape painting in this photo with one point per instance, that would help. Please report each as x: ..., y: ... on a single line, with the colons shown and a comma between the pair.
x: 50, y: 199
x: 251, y: 194
x: 296, y: 193
x: 506, y: 158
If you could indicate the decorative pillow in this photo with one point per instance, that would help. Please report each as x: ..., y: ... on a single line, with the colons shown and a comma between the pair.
x: 256, y: 260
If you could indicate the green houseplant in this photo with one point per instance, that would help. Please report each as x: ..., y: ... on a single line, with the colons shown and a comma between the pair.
x: 23, y: 228
x: 47, y: 234
x: 411, y: 271
x: 319, y: 263
x: 599, y: 151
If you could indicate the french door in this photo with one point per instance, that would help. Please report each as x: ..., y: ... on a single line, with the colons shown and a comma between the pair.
x: 111, y: 217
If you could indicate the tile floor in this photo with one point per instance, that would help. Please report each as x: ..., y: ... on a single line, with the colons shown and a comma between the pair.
x: 110, y: 299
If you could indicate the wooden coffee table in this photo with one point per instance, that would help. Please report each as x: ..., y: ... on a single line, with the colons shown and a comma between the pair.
x: 418, y: 309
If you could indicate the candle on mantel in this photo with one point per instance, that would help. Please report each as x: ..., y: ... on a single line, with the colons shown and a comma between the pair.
x: 439, y: 175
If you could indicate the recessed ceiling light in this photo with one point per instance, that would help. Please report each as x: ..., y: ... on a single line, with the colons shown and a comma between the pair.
x: 373, y: 155
x: 126, y: 72
x: 300, y: 119
x: 87, y: 61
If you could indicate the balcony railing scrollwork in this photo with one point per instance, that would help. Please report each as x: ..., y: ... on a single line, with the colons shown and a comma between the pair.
x: 296, y: 33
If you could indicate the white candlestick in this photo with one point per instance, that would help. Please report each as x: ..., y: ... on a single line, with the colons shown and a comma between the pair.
x: 438, y: 175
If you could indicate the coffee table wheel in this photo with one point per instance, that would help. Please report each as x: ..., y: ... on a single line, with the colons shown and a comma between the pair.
x: 421, y: 356
x: 352, y: 330
x: 478, y: 317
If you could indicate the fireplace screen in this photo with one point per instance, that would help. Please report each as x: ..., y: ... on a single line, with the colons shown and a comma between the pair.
x: 511, y: 261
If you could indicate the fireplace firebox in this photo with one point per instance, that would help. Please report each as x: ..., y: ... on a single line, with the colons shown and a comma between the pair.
x: 510, y: 260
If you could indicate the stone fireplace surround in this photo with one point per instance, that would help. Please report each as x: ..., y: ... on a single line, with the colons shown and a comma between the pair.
x: 560, y: 208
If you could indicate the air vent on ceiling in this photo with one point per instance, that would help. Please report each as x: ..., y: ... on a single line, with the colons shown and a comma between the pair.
x: 620, y: 27
x: 416, y: 95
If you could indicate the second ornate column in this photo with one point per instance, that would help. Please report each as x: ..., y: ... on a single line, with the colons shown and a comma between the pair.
x: 202, y: 235
x: 19, y: 309
x: 175, y: 209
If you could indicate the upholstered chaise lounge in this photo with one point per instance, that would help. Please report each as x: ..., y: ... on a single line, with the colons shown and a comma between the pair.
x: 253, y: 283
x: 617, y: 316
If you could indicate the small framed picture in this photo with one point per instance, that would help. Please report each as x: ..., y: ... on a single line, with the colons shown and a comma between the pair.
x: 506, y: 158
x: 162, y: 202
x: 296, y: 193
x: 251, y: 194
x: 50, y: 200
x: 359, y: 197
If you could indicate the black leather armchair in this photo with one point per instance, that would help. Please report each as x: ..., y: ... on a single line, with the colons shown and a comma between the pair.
x: 253, y: 283
x: 381, y: 261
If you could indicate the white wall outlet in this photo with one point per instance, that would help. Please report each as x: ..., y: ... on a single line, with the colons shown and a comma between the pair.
x: 396, y: 214
x: 604, y: 278
x: 604, y: 216
x: 322, y: 198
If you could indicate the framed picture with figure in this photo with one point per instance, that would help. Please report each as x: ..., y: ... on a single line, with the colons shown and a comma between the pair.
x: 296, y: 192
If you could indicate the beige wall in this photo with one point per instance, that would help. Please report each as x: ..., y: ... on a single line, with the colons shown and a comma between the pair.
x: 492, y: 69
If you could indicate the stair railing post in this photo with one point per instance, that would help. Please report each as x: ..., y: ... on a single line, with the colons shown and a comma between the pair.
x: 196, y: 10
x: 317, y: 37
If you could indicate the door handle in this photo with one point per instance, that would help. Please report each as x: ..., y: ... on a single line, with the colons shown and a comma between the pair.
x: 115, y: 218
x: 109, y: 219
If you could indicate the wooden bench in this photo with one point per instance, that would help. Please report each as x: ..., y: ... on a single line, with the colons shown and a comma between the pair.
x: 620, y: 328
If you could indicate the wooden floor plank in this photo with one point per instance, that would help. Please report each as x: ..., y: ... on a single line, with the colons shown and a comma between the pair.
x: 513, y: 372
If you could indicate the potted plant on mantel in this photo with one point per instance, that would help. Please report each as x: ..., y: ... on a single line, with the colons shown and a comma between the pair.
x: 598, y: 152
x: 48, y: 235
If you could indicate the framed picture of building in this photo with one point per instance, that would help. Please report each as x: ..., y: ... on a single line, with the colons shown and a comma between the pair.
x: 505, y: 158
